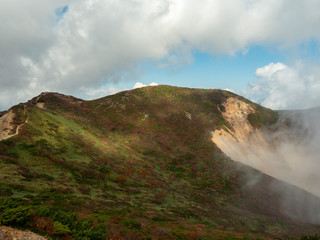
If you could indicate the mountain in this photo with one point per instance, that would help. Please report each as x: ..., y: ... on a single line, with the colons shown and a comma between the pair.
x: 148, y: 163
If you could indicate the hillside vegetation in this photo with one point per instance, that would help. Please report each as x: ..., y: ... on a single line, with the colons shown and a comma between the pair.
x: 136, y: 165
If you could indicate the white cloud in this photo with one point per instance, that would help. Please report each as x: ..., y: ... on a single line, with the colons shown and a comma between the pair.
x: 230, y: 90
x: 140, y: 85
x: 98, y: 42
x: 286, y: 87
x: 153, y: 84
x: 268, y: 70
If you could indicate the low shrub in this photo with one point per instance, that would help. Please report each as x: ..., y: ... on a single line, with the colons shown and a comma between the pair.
x: 6, y: 204
x: 5, y: 191
x: 53, y: 220
x: 314, y: 237
x: 61, y: 229
x: 18, y: 216
x: 131, y: 223
x: 84, y: 189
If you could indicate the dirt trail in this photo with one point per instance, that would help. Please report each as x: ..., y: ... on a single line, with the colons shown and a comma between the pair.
x: 8, y: 233
x: 6, y: 125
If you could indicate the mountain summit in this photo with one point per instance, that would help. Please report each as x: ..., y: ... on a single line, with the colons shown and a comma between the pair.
x: 149, y: 163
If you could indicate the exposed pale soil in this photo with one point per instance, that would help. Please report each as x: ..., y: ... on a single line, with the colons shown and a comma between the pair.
x: 40, y: 105
x: 8, y: 233
x: 238, y: 142
x: 255, y: 148
x: 236, y: 114
x: 6, y: 125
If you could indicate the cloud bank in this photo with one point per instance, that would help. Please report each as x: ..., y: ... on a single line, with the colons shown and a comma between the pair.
x: 69, y: 46
x: 279, y: 86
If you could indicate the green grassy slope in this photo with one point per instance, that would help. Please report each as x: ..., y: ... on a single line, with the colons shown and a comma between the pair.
x: 136, y: 165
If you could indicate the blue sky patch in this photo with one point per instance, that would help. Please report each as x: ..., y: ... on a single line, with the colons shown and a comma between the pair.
x: 61, y: 11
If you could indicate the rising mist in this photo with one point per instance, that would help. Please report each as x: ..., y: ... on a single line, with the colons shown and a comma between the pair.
x: 288, y: 150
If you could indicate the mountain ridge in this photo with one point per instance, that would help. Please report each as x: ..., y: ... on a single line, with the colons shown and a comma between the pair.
x: 143, y: 164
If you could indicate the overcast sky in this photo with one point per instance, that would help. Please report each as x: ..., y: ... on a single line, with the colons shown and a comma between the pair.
x: 267, y: 50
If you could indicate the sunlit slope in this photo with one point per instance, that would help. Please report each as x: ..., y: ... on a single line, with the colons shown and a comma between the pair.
x: 145, y: 155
